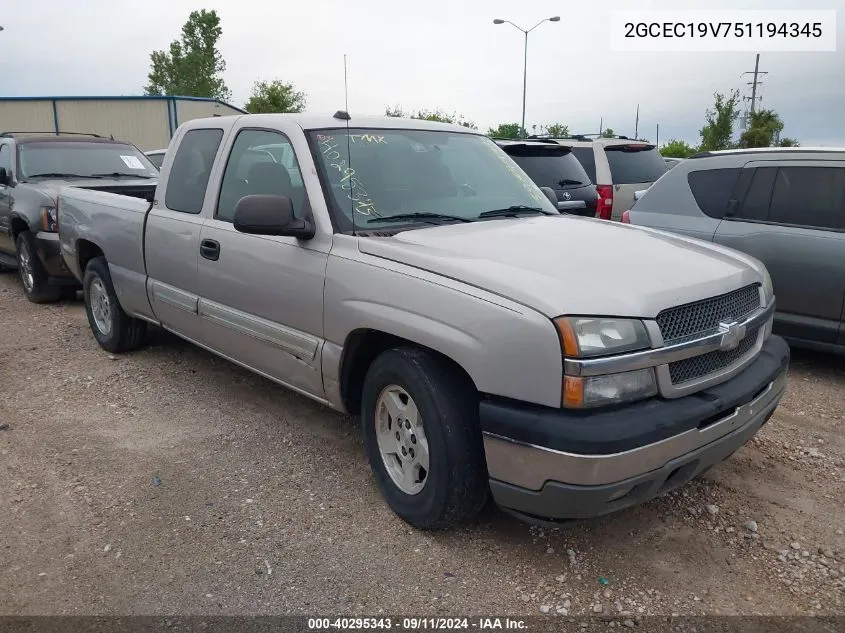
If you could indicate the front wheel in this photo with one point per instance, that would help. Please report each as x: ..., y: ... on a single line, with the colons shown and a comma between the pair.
x: 32, y: 273
x: 423, y: 440
x: 114, y: 330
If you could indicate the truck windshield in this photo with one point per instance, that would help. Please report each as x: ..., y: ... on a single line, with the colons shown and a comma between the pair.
x: 372, y: 175
x: 101, y: 160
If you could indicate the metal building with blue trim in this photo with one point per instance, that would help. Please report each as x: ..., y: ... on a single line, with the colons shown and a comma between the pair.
x: 147, y: 121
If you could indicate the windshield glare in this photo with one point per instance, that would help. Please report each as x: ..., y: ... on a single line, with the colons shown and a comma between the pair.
x: 382, y: 173
x: 83, y: 159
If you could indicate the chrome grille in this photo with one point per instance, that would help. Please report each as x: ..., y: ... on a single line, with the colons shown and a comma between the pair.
x: 691, y: 368
x: 700, y: 317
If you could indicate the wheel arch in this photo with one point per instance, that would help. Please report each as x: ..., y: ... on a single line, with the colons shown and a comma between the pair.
x: 18, y: 225
x: 361, y: 347
x: 86, y: 250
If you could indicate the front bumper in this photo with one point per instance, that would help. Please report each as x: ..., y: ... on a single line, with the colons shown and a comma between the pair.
x: 49, y: 251
x: 559, y: 464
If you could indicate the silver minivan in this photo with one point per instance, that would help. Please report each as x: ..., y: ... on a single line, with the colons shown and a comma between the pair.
x: 784, y: 206
x: 618, y: 167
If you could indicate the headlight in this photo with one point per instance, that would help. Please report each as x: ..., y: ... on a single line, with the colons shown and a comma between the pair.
x: 588, y: 337
x: 597, y: 391
x: 768, y: 290
x: 49, y: 219
x: 584, y: 337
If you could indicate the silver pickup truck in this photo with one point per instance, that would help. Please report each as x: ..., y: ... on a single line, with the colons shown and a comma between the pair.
x: 411, y: 272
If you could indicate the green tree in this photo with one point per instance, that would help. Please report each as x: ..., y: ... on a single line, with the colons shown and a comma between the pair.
x: 764, y: 130
x: 676, y: 148
x: 608, y: 133
x: 718, y: 130
x: 275, y: 96
x: 555, y: 130
x: 430, y: 115
x: 506, y: 130
x: 193, y: 66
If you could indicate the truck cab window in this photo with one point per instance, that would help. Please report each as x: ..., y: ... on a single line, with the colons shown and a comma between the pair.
x: 6, y: 158
x: 261, y: 162
x: 191, y: 169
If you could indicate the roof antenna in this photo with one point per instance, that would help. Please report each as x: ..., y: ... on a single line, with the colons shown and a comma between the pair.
x: 343, y: 115
x: 345, y: 87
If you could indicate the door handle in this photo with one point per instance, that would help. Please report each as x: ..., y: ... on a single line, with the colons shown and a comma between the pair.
x: 210, y: 249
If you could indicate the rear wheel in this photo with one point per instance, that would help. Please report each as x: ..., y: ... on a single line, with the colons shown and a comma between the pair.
x: 423, y: 440
x: 114, y: 330
x: 32, y: 273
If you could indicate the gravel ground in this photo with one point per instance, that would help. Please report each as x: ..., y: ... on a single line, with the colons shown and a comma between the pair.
x: 168, y: 481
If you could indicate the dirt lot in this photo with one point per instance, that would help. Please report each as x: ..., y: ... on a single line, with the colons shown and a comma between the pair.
x: 168, y: 481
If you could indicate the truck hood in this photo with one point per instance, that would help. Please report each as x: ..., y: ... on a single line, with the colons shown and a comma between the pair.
x: 52, y: 186
x: 568, y: 265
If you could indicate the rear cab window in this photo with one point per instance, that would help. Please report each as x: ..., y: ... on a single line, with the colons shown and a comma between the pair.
x: 191, y: 169
x: 6, y: 158
x: 634, y: 163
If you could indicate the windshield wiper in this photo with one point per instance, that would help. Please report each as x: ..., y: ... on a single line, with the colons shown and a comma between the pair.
x: 118, y: 174
x: 568, y: 181
x: 422, y: 217
x: 512, y: 211
x: 56, y: 174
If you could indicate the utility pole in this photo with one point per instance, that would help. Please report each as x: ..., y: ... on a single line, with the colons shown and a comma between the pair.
x: 601, y: 123
x: 754, y: 83
x: 657, y: 141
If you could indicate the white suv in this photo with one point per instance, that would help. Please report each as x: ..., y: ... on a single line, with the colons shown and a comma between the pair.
x: 618, y: 166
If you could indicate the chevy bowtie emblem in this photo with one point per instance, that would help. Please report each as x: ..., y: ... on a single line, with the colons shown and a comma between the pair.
x: 732, y: 333
x: 566, y: 195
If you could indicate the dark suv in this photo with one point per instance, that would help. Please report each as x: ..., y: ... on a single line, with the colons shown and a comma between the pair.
x: 552, y: 165
x: 33, y: 167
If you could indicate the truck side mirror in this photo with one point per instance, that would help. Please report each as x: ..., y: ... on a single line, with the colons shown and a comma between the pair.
x: 270, y: 215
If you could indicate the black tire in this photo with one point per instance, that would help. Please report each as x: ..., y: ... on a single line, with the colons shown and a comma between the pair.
x: 124, y: 333
x: 32, y: 273
x: 456, y: 485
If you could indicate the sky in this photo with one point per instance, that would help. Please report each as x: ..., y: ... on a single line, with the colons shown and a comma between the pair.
x: 432, y: 54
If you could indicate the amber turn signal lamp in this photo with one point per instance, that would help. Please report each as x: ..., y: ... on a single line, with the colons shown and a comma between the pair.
x: 573, y: 392
x: 567, y: 337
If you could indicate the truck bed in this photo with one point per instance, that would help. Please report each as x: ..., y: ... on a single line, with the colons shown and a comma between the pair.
x: 93, y: 220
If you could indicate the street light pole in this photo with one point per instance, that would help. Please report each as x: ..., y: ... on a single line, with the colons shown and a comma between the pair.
x: 524, y: 82
x: 555, y: 18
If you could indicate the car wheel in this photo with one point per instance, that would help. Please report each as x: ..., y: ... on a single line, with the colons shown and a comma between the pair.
x: 423, y: 439
x: 114, y: 330
x: 32, y: 273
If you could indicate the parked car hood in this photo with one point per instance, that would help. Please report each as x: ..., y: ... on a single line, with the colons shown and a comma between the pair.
x: 569, y: 265
x: 52, y: 185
